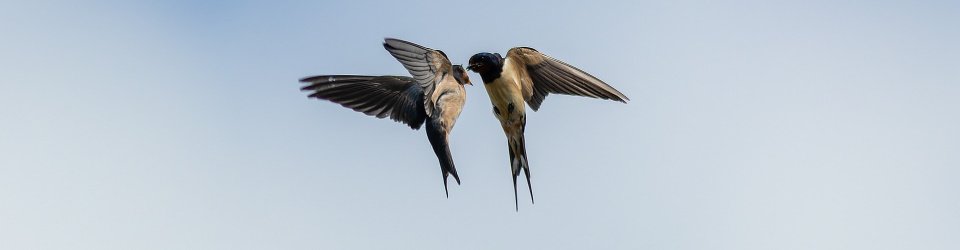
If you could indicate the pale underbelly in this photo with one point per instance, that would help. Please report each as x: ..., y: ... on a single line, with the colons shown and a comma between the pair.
x: 507, y: 101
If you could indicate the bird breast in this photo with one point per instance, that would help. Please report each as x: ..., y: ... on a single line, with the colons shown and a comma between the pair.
x: 450, y: 103
x: 505, y: 95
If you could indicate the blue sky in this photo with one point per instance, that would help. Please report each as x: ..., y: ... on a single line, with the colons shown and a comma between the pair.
x: 752, y: 125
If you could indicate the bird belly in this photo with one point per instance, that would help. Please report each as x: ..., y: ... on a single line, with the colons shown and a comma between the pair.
x: 507, y: 100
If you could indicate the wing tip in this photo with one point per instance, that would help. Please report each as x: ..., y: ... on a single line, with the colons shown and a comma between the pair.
x: 387, y: 46
x: 308, y: 79
x: 310, y: 87
x: 391, y: 39
x: 394, y: 43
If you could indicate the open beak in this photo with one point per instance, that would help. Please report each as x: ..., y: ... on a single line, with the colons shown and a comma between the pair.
x: 470, y: 67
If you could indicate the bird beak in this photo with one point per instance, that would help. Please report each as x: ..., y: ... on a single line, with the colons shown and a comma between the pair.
x: 470, y: 67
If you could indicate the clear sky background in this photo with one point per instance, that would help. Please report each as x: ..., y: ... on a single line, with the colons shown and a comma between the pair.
x: 753, y: 125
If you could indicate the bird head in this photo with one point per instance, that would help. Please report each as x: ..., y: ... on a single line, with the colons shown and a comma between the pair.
x: 485, y: 62
x: 461, y: 75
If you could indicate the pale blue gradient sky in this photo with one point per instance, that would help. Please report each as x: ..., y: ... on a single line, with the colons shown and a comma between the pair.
x: 753, y: 125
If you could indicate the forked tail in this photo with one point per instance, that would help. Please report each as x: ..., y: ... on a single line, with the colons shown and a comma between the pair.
x: 518, y: 161
x: 438, y: 139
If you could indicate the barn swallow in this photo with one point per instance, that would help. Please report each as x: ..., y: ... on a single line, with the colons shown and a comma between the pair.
x: 434, y: 95
x: 526, y: 75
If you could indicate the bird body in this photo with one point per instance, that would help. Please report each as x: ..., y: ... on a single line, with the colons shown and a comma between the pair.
x: 448, y: 99
x: 506, y: 95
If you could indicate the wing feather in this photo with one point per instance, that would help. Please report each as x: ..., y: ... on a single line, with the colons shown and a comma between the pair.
x: 397, y: 97
x: 549, y: 75
x: 427, y: 66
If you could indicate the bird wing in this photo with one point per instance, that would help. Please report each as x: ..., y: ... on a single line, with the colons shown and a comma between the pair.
x: 541, y: 75
x: 399, y: 97
x: 428, y: 67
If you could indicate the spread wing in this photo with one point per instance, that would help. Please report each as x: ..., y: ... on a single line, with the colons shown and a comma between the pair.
x: 397, y: 97
x: 542, y: 75
x: 427, y: 66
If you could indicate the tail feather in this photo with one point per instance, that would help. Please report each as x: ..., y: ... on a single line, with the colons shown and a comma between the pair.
x: 441, y: 147
x: 518, y: 161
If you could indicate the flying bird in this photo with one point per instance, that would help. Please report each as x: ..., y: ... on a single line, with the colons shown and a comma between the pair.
x: 433, y: 96
x: 528, y: 76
